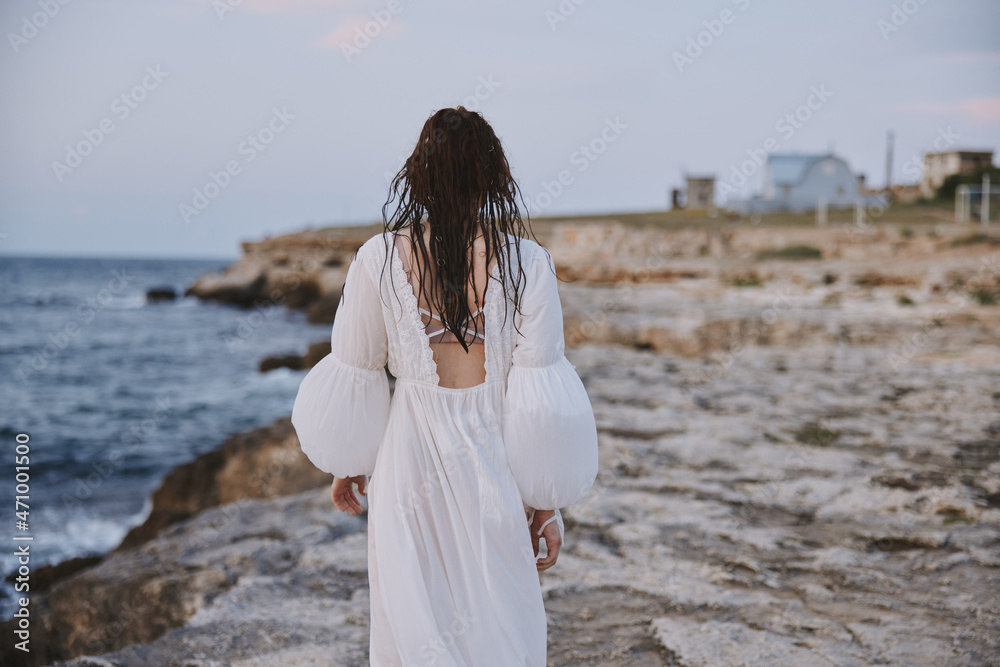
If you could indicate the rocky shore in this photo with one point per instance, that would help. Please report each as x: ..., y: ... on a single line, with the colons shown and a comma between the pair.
x: 800, y: 465
x: 303, y: 271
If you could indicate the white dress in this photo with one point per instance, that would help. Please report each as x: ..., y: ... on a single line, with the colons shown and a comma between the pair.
x: 451, y: 568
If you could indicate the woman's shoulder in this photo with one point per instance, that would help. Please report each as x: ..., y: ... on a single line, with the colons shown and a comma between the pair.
x: 376, y: 247
x: 529, y: 249
x: 379, y: 241
x: 370, y: 256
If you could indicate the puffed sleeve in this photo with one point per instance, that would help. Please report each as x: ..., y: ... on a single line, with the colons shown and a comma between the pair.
x: 548, y: 422
x: 342, y: 405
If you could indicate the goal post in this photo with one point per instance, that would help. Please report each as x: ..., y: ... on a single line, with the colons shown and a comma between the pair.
x: 972, y: 206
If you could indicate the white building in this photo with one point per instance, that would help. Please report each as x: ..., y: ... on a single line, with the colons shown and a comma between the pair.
x: 799, y: 182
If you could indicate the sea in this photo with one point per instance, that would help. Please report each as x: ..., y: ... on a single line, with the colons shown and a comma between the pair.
x: 107, y: 392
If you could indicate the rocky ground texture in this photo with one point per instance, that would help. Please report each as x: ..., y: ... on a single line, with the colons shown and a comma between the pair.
x: 800, y: 465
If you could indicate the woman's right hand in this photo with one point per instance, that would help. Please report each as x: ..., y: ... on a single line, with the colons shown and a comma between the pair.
x: 342, y: 493
x: 553, y: 540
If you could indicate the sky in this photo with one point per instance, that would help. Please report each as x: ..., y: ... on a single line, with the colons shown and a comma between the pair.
x: 179, y: 128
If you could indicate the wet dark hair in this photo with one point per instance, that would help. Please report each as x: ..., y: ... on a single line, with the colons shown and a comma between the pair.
x: 457, y: 181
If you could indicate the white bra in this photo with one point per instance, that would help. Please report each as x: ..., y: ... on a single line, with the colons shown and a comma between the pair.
x: 445, y: 336
x: 434, y: 329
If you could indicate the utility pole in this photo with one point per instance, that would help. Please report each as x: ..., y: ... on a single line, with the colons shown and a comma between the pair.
x: 890, y: 141
x: 984, y: 208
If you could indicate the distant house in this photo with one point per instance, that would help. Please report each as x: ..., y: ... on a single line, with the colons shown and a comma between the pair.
x: 939, y: 166
x: 797, y: 182
x: 700, y: 192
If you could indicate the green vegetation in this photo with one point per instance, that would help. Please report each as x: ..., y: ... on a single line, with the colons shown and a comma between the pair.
x: 954, y: 516
x: 946, y: 193
x: 791, y: 252
x: 905, y: 300
x: 914, y: 216
x: 747, y: 280
x: 906, y: 233
x: 813, y: 434
x: 875, y: 279
x: 975, y: 238
x: 986, y: 296
x: 909, y: 215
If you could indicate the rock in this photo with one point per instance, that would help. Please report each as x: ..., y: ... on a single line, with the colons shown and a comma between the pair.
x: 156, y: 294
x: 235, y: 288
x: 297, y: 294
x: 713, y: 536
x: 293, y: 361
x: 138, y: 600
x: 785, y: 478
x: 324, y: 309
x: 715, y: 643
x: 263, y: 463
x: 312, y: 357
x: 316, y: 353
x: 43, y: 577
x: 266, y: 579
x: 298, y: 270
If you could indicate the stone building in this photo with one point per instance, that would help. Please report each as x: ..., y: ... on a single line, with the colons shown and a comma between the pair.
x: 939, y: 166
x: 700, y: 192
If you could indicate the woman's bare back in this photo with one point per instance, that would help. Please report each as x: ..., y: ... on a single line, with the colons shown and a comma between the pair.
x: 456, y: 368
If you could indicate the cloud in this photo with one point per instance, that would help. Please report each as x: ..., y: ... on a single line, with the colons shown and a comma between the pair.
x: 980, y: 108
x: 974, y: 58
x: 282, y: 6
x: 983, y: 108
x: 347, y: 32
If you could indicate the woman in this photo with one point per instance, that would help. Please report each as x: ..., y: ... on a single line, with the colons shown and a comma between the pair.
x: 489, y: 430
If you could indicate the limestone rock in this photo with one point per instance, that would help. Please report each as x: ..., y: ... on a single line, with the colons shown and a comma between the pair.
x: 263, y: 463
x: 295, y: 362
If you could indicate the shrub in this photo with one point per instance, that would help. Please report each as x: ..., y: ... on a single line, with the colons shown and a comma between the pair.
x: 985, y: 297
x: 791, y: 252
x: 973, y: 239
x: 747, y: 280
x: 813, y: 434
x: 874, y: 279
